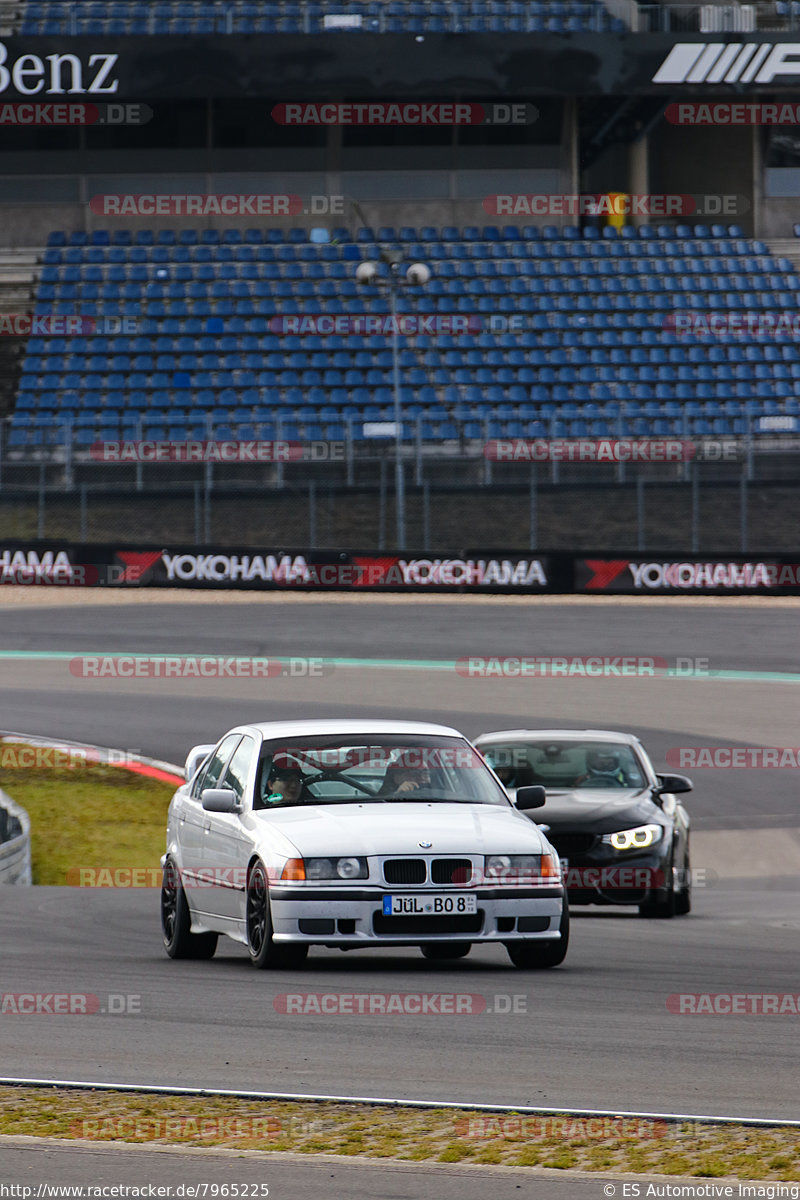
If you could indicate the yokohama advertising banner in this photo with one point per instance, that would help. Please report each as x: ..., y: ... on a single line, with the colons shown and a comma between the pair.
x: 650, y: 575
x: 268, y: 568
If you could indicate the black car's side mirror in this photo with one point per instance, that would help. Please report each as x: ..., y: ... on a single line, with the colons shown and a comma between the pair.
x: 533, y: 796
x: 674, y: 784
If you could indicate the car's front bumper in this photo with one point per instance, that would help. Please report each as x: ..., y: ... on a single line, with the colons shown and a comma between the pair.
x: 600, y: 879
x: 354, y: 916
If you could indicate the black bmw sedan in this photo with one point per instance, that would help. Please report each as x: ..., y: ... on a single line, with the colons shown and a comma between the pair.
x: 620, y: 831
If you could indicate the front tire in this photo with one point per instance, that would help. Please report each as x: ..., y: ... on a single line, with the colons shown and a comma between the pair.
x: 538, y: 956
x: 445, y: 951
x: 683, y: 900
x: 176, y: 921
x: 263, y: 951
x: 664, y: 906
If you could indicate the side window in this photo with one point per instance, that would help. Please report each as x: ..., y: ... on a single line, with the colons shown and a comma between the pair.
x: 239, y: 767
x: 210, y: 777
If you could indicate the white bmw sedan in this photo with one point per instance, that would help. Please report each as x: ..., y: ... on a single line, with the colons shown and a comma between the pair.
x: 352, y: 834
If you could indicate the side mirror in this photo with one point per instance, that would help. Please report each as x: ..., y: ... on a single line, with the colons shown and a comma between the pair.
x: 533, y: 796
x: 220, y: 800
x: 193, y: 759
x: 674, y: 784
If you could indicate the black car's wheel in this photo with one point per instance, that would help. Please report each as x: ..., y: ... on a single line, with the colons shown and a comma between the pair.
x: 263, y: 951
x: 536, y: 956
x: 448, y: 950
x: 662, y: 905
x: 176, y: 923
x: 683, y: 898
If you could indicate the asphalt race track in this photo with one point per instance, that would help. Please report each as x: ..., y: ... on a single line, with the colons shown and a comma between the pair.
x: 594, y: 1034
x: 286, y: 1176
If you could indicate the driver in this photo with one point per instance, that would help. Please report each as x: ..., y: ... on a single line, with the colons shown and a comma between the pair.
x: 285, y: 784
x: 603, y: 769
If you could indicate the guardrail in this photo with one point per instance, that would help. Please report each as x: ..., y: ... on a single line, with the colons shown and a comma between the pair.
x: 15, y: 842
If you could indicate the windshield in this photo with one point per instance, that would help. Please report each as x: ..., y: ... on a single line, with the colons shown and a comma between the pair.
x: 374, y: 769
x: 566, y: 765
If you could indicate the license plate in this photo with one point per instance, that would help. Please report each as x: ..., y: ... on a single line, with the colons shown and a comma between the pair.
x: 429, y: 905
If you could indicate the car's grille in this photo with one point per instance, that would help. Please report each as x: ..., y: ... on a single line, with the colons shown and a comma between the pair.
x: 571, y: 843
x: 404, y: 870
x: 451, y: 870
x: 403, y: 926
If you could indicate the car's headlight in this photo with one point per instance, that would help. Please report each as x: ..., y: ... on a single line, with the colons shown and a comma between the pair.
x: 633, y: 839
x: 515, y: 866
x: 336, y: 868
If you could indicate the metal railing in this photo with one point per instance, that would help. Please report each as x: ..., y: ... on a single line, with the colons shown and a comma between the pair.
x: 15, y: 843
x: 344, y: 494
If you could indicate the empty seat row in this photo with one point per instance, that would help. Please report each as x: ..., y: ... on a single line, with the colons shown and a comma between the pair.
x: 469, y: 233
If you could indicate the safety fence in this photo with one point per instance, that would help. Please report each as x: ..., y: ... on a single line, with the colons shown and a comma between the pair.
x: 15, y: 842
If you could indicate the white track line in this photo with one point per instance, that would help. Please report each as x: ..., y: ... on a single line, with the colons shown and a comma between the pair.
x: 392, y: 1102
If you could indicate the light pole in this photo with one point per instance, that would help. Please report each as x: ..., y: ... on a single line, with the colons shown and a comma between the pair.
x: 417, y: 275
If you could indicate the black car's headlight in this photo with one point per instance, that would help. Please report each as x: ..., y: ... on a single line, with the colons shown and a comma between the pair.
x: 336, y: 868
x: 634, y: 839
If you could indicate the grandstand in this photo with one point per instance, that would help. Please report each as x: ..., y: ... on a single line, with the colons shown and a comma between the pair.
x: 589, y: 345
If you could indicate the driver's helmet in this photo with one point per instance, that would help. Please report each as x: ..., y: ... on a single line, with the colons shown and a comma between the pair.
x: 603, y: 762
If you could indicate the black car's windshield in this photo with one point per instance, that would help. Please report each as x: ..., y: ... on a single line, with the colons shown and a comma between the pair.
x: 373, y: 768
x: 566, y: 764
